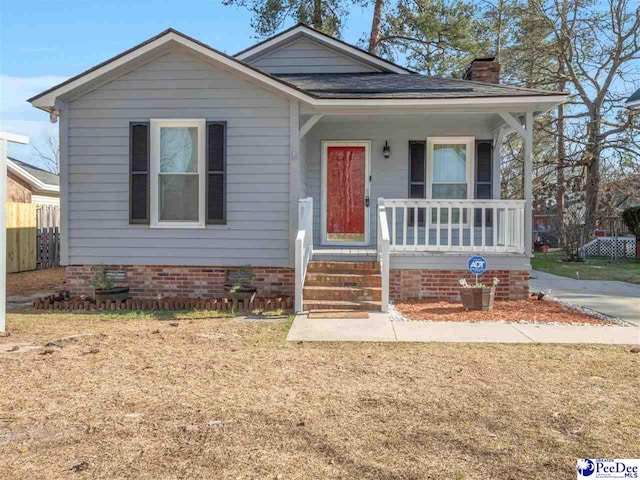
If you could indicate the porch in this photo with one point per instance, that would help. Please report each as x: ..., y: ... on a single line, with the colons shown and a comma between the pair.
x: 411, y: 192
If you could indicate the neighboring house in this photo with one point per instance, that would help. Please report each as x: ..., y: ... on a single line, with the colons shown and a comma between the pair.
x: 180, y: 162
x: 634, y: 100
x: 29, y: 184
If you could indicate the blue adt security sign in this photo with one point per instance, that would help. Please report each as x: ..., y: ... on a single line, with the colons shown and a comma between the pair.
x: 477, y: 265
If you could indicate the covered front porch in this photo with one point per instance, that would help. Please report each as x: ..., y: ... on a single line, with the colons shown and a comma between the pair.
x: 409, y: 190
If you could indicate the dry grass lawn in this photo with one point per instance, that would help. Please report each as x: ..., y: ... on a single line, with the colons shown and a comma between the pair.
x: 150, y: 399
x: 26, y: 283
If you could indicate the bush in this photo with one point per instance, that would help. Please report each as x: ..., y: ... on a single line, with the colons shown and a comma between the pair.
x: 631, y: 217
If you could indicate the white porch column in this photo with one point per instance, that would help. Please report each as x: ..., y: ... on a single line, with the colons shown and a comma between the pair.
x: 5, y: 138
x: 528, y: 182
x: 497, y: 147
x: 294, y: 177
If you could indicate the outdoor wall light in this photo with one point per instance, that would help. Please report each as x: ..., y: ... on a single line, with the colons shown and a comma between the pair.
x: 386, y: 150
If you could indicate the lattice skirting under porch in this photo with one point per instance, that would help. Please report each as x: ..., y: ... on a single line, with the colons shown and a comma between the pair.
x: 607, y: 246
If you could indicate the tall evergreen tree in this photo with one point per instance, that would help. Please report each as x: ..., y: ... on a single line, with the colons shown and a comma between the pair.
x: 270, y: 15
x: 436, y: 37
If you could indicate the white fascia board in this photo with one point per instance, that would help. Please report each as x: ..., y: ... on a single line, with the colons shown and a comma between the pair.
x: 428, y: 102
x: 15, y: 138
x: 301, y: 29
x: 635, y: 105
x: 27, y: 177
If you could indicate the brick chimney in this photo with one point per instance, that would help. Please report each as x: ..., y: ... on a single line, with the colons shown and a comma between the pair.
x: 483, y: 69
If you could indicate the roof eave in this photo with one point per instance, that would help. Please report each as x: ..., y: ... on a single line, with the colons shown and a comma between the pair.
x: 633, y: 104
x: 31, y: 179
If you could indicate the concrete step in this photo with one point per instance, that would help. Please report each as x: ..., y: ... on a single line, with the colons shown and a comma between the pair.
x: 341, y: 305
x: 352, y: 294
x: 319, y: 279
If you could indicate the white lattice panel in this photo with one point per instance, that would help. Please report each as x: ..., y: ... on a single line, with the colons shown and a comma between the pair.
x: 604, y: 246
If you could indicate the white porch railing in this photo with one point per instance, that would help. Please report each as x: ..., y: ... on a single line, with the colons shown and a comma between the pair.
x: 383, y: 252
x: 456, y: 225
x: 304, y: 246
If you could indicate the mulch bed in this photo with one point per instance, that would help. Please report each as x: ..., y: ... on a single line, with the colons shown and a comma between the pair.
x: 27, y: 283
x: 512, y: 311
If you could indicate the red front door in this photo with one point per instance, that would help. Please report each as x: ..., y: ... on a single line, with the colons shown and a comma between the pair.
x: 346, y: 191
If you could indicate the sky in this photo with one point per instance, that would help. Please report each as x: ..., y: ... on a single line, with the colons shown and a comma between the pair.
x: 44, y: 42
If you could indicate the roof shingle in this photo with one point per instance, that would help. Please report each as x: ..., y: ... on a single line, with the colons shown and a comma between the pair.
x: 392, y: 85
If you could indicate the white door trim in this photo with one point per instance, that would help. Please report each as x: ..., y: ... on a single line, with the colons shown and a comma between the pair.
x: 323, y: 194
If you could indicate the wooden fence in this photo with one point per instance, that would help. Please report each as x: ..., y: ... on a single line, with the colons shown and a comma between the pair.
x: 21, y: 237
x: 47, y: 216
x: 33, y: 236
x: 48, y: 247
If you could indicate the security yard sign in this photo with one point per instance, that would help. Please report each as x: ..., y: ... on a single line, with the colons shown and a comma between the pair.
x: 477, y: 265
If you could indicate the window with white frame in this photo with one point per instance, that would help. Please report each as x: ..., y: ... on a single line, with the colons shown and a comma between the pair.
x: 178, y: 173
x: 450, y: 161
x: 451, y: 166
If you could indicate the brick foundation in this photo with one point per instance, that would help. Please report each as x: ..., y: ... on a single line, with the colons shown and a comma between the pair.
x: 407, y: 284
x: 148, y: 281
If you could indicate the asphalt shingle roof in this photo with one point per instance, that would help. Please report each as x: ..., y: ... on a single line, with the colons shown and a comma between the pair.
x: 42, y: 175
x: 393, y: 85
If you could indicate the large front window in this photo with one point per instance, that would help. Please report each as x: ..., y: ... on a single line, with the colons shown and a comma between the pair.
x: 177, y: 173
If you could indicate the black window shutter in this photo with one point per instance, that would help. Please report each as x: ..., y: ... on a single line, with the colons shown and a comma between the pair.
x: 417, y: 178
x: 216, y: 173
x: 139, y: 173
x: 484, y: 177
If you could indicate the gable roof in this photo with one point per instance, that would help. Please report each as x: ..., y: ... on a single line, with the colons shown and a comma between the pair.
x: 46, y: 99
x: 303, y: 30
x: 634, y: 100
x: 37, y: 177
x: 391, y: 85
x: 283, y: 85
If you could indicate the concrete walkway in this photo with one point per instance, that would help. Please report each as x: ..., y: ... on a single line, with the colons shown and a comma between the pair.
x: 379, y: 328
x: 616, y: 299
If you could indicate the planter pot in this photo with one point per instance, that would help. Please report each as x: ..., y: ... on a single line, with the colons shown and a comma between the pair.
x: 243, y: 292
x: 478, y: 298
x: 117, y: 293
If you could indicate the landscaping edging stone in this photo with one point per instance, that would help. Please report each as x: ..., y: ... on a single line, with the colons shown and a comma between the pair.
x: 62, y: 301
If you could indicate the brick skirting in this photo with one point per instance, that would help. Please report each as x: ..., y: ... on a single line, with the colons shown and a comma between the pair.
x: 148, y: 281
x: 407, y: 284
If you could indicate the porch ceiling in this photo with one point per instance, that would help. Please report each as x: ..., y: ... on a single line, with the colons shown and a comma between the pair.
x: 405, y: 106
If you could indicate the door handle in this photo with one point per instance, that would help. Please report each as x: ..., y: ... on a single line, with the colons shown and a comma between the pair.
x: 366, y: 200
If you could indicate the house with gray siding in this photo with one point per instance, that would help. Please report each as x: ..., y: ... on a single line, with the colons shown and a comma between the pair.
x: 343, y: 179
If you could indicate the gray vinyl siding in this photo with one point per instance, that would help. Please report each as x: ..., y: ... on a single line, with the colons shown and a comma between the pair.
x: 308, y: 56
x: 179, y: 85
x: 389, y: 177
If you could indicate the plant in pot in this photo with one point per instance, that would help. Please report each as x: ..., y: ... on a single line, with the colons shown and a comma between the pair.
x: 104, y: 287
x: 240, y: 283
x: 478, y: 296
